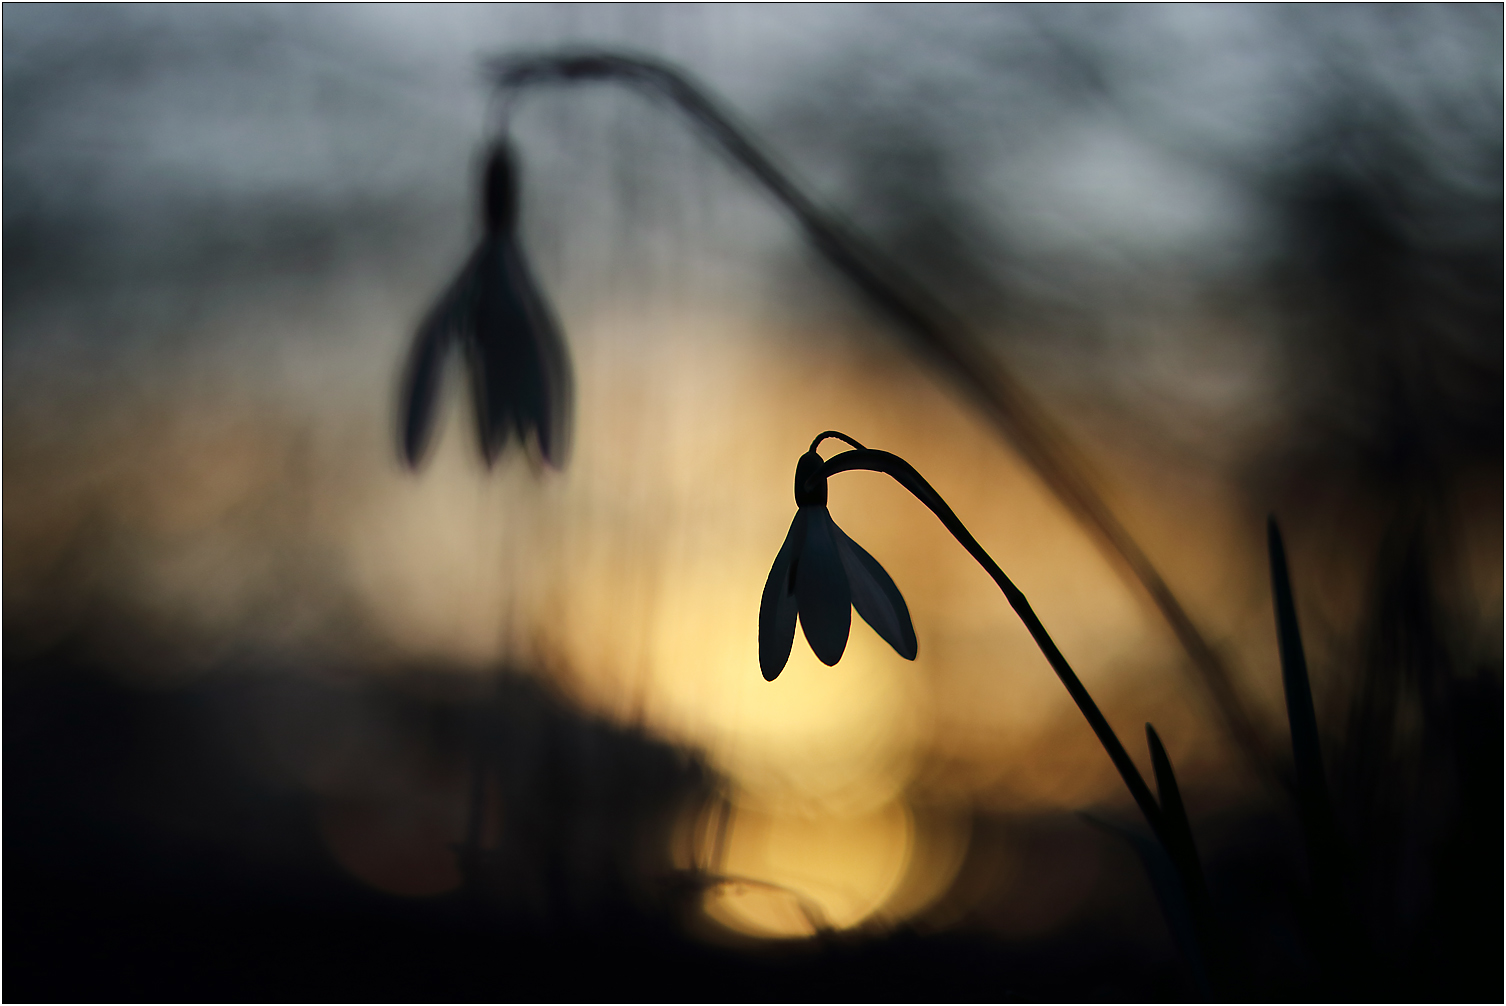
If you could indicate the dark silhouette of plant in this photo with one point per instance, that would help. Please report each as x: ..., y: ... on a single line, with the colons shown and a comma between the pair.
x: 821, y: 575
x: 931, y: 328
x: 814, y: 573
x: 1333, y: 927
x: 521, y: 381
x: 519, y: 367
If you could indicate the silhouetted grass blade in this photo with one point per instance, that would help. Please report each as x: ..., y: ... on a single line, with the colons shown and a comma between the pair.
x: 1312, y: 785
x: 1174, y: 821
x: 1176, y: 835
x: 1334, y: 928
x: 1171, y: 894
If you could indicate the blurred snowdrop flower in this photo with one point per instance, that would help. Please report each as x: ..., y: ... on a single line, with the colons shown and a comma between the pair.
x: 520, y: 370
x: 820, y: 575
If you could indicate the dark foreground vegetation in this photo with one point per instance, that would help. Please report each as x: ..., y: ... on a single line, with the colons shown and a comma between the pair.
x: 145, y: 860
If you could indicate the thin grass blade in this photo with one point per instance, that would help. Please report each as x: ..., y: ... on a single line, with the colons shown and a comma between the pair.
x: 1307, y: 755
x: 1173, y: 813
x: 1170, y: 893
x: 1336, y: 930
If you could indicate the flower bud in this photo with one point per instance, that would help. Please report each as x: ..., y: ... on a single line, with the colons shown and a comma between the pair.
x: 816, y: 494
x: 500, y: 200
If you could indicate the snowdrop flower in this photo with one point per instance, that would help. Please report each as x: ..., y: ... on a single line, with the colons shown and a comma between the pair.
x: 820, y: 575
x: 520, y: 370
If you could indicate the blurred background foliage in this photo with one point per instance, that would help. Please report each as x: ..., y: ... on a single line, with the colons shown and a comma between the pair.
x: 1248, y: 257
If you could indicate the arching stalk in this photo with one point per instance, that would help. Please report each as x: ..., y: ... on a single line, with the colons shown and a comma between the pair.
x: 1167, y: 816
x: 1009, y: 407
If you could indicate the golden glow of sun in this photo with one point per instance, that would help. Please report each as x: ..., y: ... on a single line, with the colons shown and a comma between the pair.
x: 782, y: 875
x: 633, y: 581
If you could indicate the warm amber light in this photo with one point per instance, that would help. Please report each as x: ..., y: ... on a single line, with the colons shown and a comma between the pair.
x: 780, y: 874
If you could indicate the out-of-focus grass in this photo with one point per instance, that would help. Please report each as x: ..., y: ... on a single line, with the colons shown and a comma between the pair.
x: 216, y: 251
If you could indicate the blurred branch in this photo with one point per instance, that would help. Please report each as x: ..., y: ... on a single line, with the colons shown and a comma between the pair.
x: 931, y: 328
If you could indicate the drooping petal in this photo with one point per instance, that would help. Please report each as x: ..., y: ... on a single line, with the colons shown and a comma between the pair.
x: 445, y: 323
x: 496, y: 373
x: 552, y: 408
x: 520, y: 367
x: 821, y: 586
x: 875, y: 596
x: 776, y: 615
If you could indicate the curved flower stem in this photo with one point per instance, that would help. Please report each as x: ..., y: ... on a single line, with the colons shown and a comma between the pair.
x: 1001, y: 397
x: 901, y: 471
x: 1167, y: 817
x: 834, y: 435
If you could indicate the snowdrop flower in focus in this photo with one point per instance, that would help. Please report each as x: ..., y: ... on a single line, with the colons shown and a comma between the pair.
x: 820, y: 575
